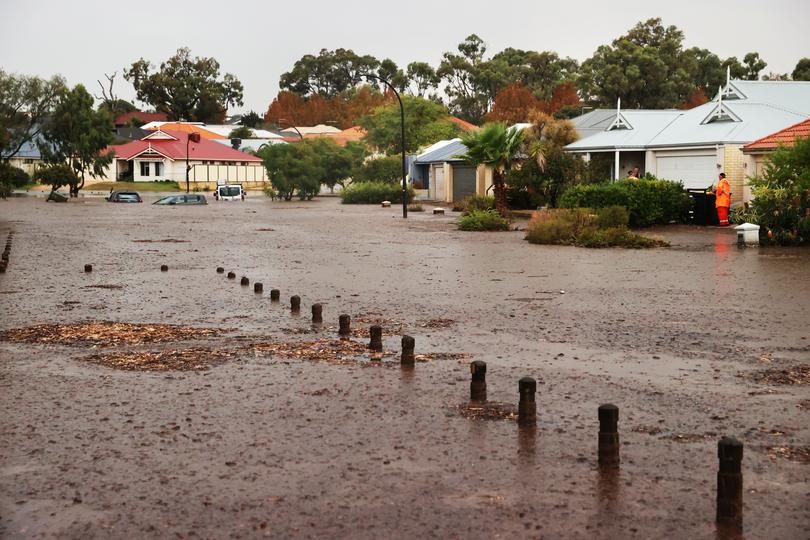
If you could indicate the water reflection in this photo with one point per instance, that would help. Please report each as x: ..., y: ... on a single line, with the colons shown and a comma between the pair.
x: 527, y: 445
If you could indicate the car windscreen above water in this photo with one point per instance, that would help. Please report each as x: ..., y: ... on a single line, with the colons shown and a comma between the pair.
x: 230, y: 191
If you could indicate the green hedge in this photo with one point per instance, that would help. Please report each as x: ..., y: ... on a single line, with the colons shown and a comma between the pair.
x: 648, y: 201
x: 373, y: 193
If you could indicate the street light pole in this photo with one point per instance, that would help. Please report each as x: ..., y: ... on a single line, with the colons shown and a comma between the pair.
x: 402, y: 127
x: 292, y: 125
x: 192, y: 137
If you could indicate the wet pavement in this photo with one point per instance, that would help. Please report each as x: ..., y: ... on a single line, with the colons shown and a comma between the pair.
x: 263, y: 445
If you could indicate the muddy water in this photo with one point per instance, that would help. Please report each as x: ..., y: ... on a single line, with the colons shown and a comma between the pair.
x: 291, y: 448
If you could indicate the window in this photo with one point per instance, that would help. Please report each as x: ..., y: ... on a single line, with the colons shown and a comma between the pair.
x: 144, y: 168
x: 158, y: 169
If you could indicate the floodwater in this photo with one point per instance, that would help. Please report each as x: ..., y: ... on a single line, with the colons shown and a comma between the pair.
x: 294, y: 448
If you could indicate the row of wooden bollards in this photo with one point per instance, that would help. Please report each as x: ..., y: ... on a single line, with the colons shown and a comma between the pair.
x: 408, y: 357
x: 6, y: 253
x: 729, y: 450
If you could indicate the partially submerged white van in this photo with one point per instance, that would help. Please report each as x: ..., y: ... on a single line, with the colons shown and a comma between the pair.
x: 229, y: 192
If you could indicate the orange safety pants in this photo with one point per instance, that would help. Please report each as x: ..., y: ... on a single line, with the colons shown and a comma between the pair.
x: 722, y: 215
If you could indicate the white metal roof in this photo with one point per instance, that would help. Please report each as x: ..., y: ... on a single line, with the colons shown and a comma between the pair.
x: 762, y: 107
x: 644, y: 125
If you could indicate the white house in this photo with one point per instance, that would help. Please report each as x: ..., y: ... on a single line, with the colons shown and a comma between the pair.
x: 694, y: 146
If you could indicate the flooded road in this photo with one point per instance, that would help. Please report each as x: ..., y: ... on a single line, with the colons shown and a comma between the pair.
x: 692, y: 343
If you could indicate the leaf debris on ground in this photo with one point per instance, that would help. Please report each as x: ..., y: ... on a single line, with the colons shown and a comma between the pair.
x: 436, y: 323
x: 106, y: 333
x: 489, y: 410
x: 191, y: 359
x: 794, y: 375
x: 799, y: 454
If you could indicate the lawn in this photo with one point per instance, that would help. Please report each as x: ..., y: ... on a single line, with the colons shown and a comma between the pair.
x: 133, y: 186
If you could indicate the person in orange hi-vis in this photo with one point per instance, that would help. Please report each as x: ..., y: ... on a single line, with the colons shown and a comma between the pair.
x: 722, y: 201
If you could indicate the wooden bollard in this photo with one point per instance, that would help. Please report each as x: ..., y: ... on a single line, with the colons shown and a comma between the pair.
x: 730, y: 482
x: 344, y: 322
x: 527, y: 407
x: 231, y: 275
x: 608, y: 435
x: 244, y: 282
x: 478, y: 383
x: 317, y: 313
x: 220, y: 270
x: 408, y: 345
x: 275, y: 295
x: 375, y: 344
x: 88, y: 267
x: 295, y: 303
x: 258, y: 288
x: 164, y: 267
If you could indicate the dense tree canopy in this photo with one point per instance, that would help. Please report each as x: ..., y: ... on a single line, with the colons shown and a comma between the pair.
x: 25, y: 103
x: 425, y: 123
x: 802, y: 70
x: 186, y: 87
x: 76, y: 135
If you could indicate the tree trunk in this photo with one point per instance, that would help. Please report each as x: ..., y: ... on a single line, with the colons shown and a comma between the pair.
x: 499, y: 186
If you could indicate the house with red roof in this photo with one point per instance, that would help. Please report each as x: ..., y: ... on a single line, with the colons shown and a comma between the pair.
x: 139, y: 118
x: 162, y: 155
x: 757, y: 152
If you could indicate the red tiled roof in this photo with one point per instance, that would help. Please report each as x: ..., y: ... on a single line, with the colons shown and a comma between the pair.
x: 144, y: 117
x: 785, y: 137
x: 205, y: 150
x: 463, y: 124
x: 189, y: 128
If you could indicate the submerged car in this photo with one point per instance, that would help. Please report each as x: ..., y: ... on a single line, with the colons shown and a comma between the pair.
x: 182, y: 199
x: 124, y: 197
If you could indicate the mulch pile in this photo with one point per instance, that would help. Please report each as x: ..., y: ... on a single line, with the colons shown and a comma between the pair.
x: 192, y: 359
x: 799, y: 374
x: 105, y: 333
x: 491, y: 410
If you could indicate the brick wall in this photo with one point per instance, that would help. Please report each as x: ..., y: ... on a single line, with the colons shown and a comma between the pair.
x: 734, y: 167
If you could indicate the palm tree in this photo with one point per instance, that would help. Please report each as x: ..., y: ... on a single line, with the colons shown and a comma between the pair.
x: 494, y: 146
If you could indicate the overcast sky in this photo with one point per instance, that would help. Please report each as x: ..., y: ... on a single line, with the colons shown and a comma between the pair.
x: 259, y: 40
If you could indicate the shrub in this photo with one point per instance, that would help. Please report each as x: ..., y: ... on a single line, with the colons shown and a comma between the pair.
x: 482, y: 220
x: 57, y: 176
x: 385, y: 169
x: 415, y: 207
x: 475, y: 202
x: 781, y: 203
x: 612, y: 216
x: 648, y: 201
x: 5, y: 190
x: 373, y: 193
x: 618, y: 236
x: 13, y: 176
x: 559, y: 226
x: 580, y: 227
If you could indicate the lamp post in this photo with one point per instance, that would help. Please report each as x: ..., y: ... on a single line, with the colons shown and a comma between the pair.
x: 192, y: 137
x: 292, y: 125
x: 402, y: 119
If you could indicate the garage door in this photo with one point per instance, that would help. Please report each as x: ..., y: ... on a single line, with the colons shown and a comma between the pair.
x: 463, y: 181
x: 696, y: 171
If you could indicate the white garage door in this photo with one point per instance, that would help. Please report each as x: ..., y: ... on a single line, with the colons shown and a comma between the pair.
x: 696, y: 171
